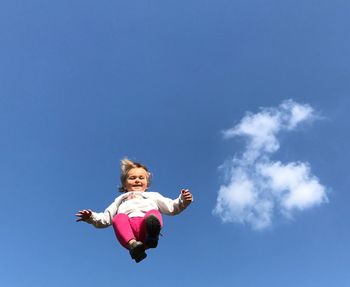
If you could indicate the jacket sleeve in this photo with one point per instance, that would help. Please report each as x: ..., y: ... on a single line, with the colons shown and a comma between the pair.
x: 105, y: 219
x: 169, y: 206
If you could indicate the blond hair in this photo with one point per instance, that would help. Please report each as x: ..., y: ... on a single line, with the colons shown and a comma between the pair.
x: 125, y: 166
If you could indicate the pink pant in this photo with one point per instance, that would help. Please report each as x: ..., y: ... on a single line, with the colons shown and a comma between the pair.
x: 126, y: 228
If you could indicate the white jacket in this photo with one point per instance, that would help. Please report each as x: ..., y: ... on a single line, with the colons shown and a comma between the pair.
x: 137, y: 204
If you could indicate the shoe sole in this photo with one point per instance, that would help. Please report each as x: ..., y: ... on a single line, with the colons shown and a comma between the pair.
x: 153, y: 228
x: 138, y: 253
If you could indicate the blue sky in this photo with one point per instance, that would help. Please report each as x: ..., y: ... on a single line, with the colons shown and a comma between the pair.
x: 85, y: 83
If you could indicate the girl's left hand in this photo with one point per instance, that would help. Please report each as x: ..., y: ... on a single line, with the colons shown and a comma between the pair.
x: 187, y: 196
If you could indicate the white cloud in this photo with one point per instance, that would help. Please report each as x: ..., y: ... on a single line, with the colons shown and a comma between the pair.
x: 241, y: 201
x: 260, y: 129
x: 298, y: 113
x: 294, y: 185
x: 257, y: 188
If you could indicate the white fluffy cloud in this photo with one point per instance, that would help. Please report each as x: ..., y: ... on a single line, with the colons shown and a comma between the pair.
x: 258, y: 188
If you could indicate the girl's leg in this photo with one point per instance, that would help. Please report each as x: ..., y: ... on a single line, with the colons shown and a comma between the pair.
x: 123, y: 230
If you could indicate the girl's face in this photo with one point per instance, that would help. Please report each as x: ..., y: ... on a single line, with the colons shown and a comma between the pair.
x: 136, y: 180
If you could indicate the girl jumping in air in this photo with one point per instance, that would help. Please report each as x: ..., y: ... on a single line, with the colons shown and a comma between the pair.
x: 136, y: 214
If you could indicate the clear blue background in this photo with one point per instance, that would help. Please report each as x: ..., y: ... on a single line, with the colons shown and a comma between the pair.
x: 84, y: 83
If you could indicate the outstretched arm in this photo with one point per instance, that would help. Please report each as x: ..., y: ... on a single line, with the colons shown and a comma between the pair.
x: 100, y: 219
x: 83, y: 215
x: 171, y: 206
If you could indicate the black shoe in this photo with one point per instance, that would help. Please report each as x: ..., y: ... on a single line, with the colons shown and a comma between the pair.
x: 137, y: 251
x: 153, y: 228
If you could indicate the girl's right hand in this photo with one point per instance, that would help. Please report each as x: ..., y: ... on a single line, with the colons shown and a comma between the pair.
x: 83, y: 215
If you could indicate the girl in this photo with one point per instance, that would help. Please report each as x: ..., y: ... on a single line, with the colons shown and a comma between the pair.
x: 136, y: 214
